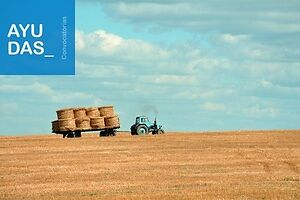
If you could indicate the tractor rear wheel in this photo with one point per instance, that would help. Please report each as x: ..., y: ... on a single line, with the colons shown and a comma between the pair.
x: 133, y: 130
x: 142, y: 129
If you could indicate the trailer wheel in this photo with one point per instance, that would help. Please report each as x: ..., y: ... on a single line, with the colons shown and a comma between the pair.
x: 70, y: 135
x: 77, y: 133
x: 113, y: 133
x: 102, y: 134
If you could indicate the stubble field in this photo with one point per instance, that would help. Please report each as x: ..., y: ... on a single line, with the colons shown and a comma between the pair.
x: 225, y: 165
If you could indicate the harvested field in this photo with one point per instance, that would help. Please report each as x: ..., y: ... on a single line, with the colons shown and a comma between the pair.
x: 228, y: 165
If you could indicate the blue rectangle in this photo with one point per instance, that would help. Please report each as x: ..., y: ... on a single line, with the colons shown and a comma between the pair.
x: 37, y: 37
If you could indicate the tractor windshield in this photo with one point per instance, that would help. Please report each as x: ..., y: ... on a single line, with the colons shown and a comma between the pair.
x: 144, y: 120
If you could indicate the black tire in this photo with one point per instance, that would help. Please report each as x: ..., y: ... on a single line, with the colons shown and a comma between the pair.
x: 111, y: 132
x: 103, y: 134
x: 161, y: 131
x: 77, y: 134
x: 70, y: 135
x: 133, y: 130
x: 142, y: 130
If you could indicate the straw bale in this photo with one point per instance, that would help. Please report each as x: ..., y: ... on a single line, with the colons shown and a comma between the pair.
x: 55, y: 125
x: 112, y: 121
x: 97, y: 122
x: 92, y: 112
x: 82, y: 123
x: 67, y: 124
x: 79, y: 113
x: 106, y: 111
x: 67, y: 113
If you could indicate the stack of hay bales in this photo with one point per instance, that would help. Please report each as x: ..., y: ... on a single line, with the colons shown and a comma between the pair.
x: 111, y: 120
x: 72, y: 119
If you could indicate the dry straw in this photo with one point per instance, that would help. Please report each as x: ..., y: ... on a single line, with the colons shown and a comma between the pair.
x: 97, y: 122
x: 92, y: 112
x: 82, y: 123
x: 79, y: 113
x: 67, y: 124
x: 106, y: 111
x: 67, y: 113
x: 55, y: 125
x: 112, y: 121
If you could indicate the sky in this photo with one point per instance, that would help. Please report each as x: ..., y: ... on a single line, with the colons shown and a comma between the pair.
x: 203, y: 65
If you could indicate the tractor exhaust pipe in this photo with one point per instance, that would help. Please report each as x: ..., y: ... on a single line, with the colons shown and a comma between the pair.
x: 155, y: 120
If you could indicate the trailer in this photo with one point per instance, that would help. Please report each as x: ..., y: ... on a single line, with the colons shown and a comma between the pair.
x: 72, y: 122
x: 103, y: 132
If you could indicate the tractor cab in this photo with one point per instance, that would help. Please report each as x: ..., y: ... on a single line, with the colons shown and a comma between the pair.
x: 143, y: 120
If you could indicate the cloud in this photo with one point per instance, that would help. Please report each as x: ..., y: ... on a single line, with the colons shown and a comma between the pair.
x: 258, y: 111
x: 266, y: 88
x: 208, y: 16
x: 44, y: 90
x: 170, y: 79
x: 101, y: 44
x: 8, y: 108
x: 211, y: 106
x: 99, y: 56
x: 232, y: 39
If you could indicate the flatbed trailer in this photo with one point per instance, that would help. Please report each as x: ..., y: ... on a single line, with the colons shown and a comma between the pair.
x: 104, y: 132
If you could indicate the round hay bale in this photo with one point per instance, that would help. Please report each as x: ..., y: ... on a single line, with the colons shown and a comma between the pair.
x: 67, y: 113
x: 106, y: 111
x: 67, y: 124
x: 83, y: 123
x: 97, y: 122
x: 55, y: 125
x: 112, y: 121
x: 92, y: 112
x: 79, y: 113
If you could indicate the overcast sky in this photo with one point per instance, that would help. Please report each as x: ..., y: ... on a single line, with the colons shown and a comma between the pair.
x: 204, y: 65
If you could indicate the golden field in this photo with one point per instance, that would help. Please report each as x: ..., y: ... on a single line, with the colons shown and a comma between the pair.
x: 224, y: 165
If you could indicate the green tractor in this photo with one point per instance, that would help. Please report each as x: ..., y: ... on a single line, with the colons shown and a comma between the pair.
x: 143, y: 126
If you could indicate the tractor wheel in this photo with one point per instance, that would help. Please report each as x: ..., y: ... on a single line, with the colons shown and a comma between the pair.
x: 133, y: 130
x: 142, y: 130
x: 160, y: 131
